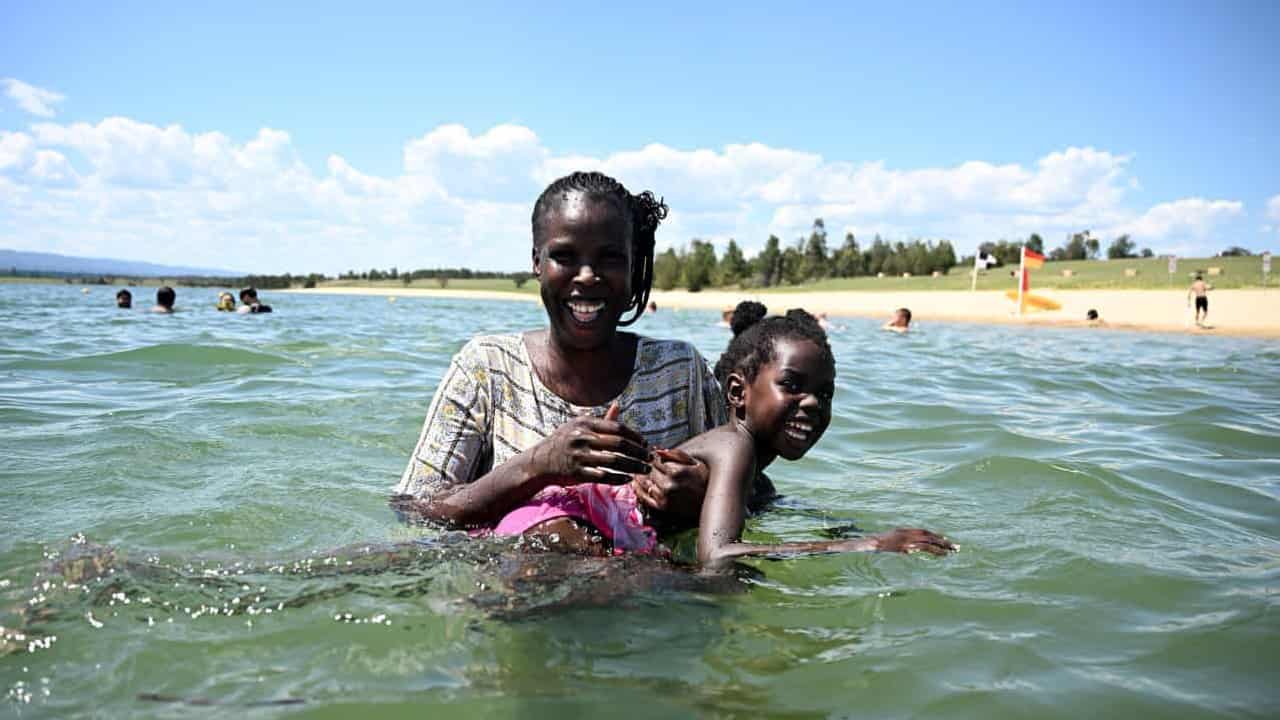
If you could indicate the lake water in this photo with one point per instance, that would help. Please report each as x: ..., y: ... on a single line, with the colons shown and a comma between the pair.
x: 1114, y: 496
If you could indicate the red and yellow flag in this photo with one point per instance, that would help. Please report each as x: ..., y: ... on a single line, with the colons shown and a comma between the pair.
x: 1032, y: 259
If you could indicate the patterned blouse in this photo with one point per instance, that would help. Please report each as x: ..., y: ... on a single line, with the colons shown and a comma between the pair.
x: 491, y: 406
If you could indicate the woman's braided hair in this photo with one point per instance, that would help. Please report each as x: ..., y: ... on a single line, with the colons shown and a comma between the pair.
x: 755, y: 338
x: 644, y: 211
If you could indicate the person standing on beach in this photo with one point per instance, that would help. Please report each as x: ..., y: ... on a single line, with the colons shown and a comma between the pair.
x: 1200, y: 292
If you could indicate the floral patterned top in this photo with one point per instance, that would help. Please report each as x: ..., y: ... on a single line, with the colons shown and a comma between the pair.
x: 491, y: 406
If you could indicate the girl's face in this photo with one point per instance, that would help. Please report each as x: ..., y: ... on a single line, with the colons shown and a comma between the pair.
x: 788, y: 405
x: 584, y: 268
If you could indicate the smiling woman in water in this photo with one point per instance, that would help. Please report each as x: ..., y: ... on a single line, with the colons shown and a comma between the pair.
x: 516, y: 414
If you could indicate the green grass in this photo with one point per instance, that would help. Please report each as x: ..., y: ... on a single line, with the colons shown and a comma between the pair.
x: 1153, y: 274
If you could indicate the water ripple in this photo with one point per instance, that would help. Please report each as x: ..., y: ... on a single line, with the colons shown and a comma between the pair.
x: 1116, y: 497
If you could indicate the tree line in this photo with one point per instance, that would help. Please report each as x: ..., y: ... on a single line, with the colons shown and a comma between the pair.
x: 697, y: 266
x: 440, y: 275
x: 1079, y: 246
x: 425, y: 274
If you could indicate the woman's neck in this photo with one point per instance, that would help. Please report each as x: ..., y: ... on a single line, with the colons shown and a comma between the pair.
x: 589, y: 377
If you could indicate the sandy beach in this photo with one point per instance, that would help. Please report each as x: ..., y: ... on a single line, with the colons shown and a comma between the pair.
x: 1254, y: 313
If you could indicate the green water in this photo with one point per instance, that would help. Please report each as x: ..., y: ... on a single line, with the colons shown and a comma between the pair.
x: 1114, y: 495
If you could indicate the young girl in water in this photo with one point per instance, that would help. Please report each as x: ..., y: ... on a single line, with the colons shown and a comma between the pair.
x: 778, y: 375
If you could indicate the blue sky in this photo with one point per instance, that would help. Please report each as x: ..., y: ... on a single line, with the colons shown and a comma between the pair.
x: 973, y: 123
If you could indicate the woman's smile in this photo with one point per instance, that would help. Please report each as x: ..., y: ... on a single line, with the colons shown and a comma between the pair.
x: 585, y: 311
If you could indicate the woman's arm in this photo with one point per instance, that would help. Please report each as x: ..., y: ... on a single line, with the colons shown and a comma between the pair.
x: 578, y: 451
x: 478, y: 503
x: 437, y: 485
x: 673, y: 490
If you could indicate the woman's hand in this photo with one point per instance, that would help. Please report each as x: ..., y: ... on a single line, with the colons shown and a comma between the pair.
x: 676, y: 484
x: 904, y: 540
x: 590, y: 449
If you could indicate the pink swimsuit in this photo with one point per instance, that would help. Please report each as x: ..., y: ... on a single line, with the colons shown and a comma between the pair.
x: 611, y: 509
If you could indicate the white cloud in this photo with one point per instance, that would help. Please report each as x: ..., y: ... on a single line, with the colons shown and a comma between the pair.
x: 16, y: 150
x: 52, y: 168
x: 1273, y: 207
x: 125, y: 188
x: 1190, y: 217
x: 499, y: 164
x: 34, y: 100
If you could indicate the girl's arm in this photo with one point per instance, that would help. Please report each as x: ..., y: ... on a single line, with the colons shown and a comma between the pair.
x: 903, y: 540
x: 730, y: 458
x: 732, y: 465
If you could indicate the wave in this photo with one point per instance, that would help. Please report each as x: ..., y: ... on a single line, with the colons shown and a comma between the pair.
x: 172, y: 355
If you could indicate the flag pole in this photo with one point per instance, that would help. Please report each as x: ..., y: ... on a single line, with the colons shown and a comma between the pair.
x: 1022, y: 275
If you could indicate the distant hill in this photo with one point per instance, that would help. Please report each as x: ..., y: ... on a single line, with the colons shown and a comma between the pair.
x: 54, y: 264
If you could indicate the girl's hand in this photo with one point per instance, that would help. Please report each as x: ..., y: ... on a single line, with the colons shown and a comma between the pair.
x: 906, y: 540
x: 590, y: 449
x: 676, y: 484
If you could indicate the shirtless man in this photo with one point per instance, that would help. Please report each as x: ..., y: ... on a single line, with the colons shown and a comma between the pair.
x: 249, y: 296
x: 1200, y: 291
x: 165, y: 297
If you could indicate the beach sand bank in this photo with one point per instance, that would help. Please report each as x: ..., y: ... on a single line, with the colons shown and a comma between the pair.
x: 1254, y: 313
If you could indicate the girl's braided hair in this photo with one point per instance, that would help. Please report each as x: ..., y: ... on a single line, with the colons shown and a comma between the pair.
x: 755, y: 337
x: 644, y: 211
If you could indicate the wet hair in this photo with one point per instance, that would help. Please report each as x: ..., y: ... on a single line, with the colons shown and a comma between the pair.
x: 251, y: 292
x: 905, y: 312
x: 166, y: 296
x: 124, y: 298
x: 755, y: 339
x: 644, y: 211
x: 1092, y: 314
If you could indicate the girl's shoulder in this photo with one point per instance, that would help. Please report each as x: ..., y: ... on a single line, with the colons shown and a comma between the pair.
x: 719, y: 442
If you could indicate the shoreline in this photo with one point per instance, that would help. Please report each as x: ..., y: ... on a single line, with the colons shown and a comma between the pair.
x: 1237, y: 313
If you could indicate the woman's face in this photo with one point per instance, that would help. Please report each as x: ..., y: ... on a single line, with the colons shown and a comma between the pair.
x: 584, y: 268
